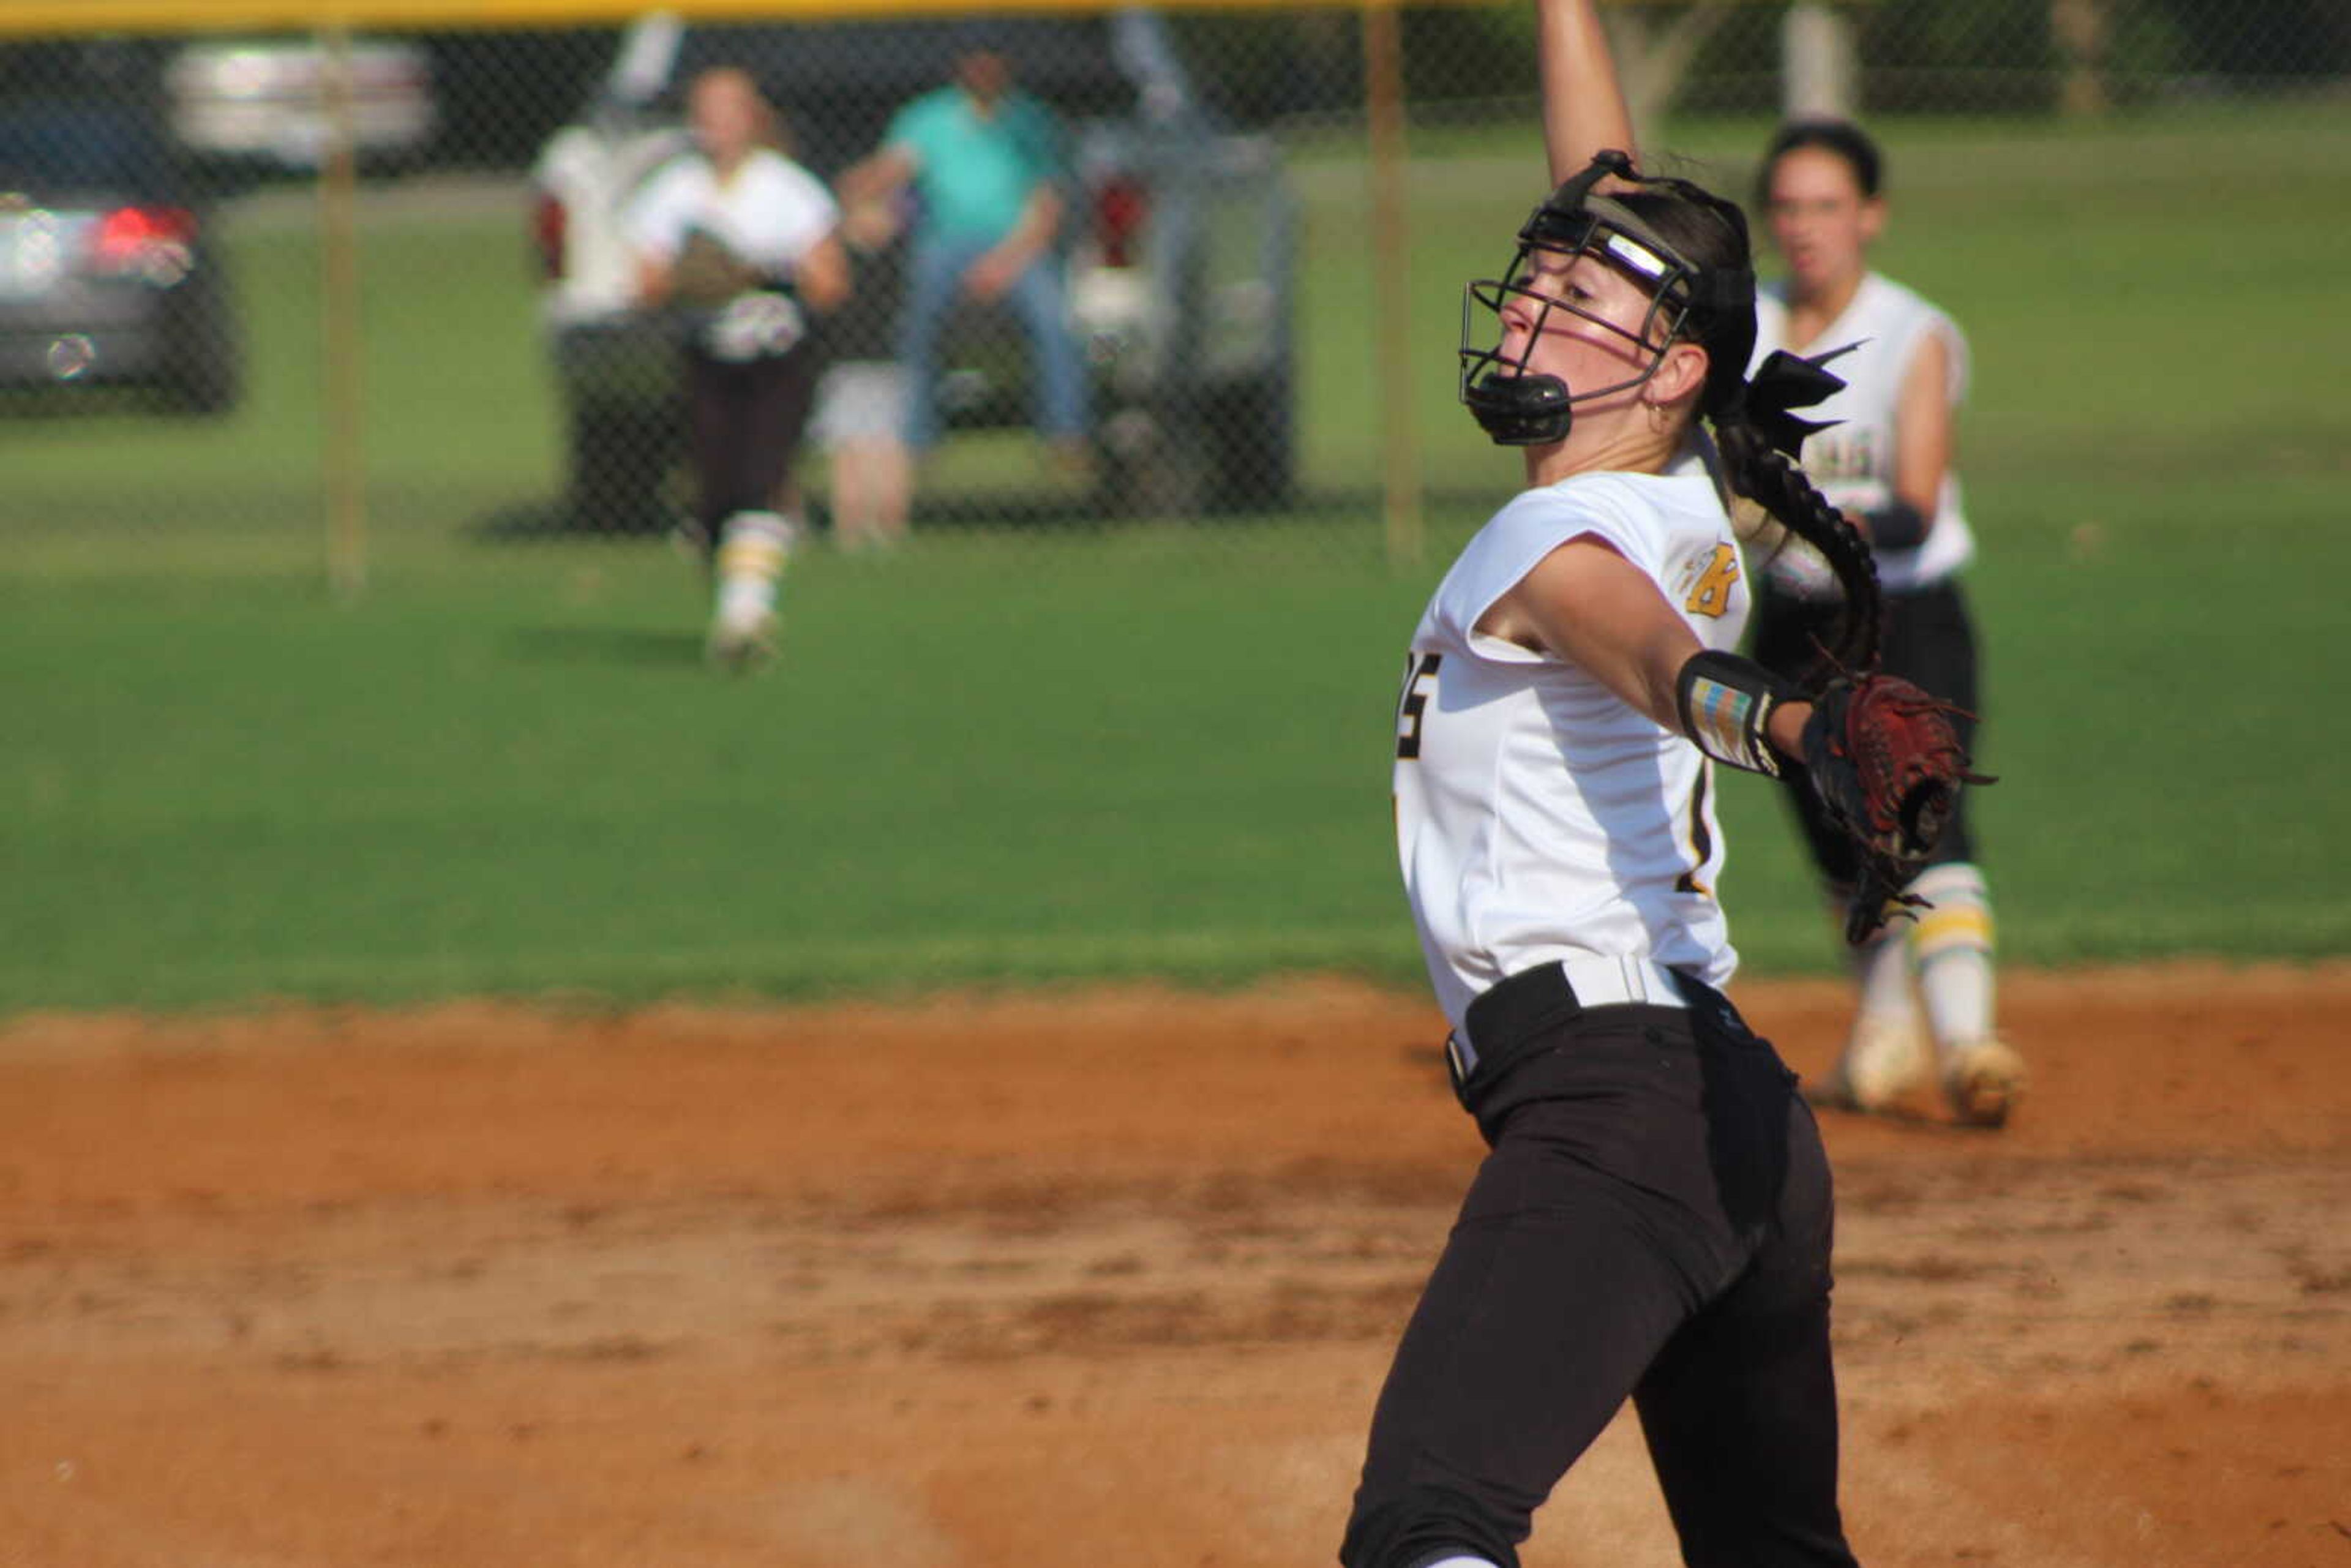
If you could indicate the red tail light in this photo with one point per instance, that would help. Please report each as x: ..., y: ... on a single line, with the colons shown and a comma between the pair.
x: 1120, y: 207
x: 131, y: 239
x: 548, y: 223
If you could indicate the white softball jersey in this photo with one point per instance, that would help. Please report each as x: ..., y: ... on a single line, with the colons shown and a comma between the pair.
x: 1539, y: 816
x: 770, y: 212
x: 1852, y: 463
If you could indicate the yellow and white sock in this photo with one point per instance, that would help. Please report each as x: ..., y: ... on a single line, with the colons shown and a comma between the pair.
x: 1953, y: 943
x: 753, y: 548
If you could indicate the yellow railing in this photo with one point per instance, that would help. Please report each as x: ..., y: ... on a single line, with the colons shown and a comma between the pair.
x: 86, y: 17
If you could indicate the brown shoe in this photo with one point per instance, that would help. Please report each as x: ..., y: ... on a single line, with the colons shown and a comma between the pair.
x: 1983, y: 1081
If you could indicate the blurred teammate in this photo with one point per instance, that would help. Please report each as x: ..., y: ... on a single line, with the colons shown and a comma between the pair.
x: 740, y: 238
x: 1653, y: 1219
x: 1926, y: 987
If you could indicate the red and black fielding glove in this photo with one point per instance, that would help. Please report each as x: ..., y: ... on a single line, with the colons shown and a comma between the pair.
x: 1886, y: 761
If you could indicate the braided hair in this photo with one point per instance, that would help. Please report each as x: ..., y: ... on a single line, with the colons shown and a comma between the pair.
x: 1757, y: 439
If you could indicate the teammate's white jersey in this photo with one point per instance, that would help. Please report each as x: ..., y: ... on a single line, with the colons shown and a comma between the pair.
x: 1853, y: 461
x: 771, y: 212
x: 1539, y: 816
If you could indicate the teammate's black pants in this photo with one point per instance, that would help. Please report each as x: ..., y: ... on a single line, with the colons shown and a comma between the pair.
x: 1930, y: 640
x: 1652, y: 1220
x: 745, y: 421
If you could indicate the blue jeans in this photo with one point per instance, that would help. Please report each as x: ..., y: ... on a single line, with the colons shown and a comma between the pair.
x: 934, y: 287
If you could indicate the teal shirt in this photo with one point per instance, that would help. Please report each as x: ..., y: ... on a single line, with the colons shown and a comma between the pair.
x: 975, y: 173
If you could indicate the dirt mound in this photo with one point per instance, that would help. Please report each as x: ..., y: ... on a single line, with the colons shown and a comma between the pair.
x: 1086, y: 1279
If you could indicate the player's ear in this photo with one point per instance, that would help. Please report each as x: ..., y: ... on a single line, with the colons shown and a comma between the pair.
x: 1681, y: 372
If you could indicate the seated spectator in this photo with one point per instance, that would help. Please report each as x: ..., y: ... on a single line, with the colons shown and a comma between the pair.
x: 987, y: 164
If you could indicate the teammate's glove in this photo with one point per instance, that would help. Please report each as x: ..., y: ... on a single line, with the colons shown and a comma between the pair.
x: 1887, y: 763
x: 708, y: 273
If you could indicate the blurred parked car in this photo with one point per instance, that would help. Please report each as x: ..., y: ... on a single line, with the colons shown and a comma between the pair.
x: 261, y: 103
x: 109, y: 276
x: 1180, y: 257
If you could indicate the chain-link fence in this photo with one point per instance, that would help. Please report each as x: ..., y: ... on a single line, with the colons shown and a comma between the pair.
x: 416, y: 286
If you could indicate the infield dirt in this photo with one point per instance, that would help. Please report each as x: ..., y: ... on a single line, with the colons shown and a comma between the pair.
x: 1101, y: 1279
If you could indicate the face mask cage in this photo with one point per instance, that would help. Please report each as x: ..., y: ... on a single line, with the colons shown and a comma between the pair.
x: 1519, y: 407
x: 1483, y: 300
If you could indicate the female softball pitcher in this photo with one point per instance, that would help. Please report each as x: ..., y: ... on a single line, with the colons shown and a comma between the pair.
x: 1887, y: 464
x: 1652, y: 1217
x: 741, y: 240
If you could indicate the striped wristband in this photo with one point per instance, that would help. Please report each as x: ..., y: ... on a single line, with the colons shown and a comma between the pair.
x: 1724, y: 702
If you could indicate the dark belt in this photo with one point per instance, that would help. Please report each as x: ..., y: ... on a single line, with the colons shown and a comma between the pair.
x: 1508, y: 1021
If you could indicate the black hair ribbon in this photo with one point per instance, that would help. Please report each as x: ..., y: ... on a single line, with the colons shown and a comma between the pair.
x: 1784, y: 382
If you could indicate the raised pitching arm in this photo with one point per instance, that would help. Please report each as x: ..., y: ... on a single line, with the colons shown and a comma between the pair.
x: 1584, y: 103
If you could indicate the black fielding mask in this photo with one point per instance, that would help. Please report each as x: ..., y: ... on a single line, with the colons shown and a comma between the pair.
x: 1707, y: 304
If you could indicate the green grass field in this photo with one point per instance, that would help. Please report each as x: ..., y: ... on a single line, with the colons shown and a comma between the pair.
x: 1154, y: 751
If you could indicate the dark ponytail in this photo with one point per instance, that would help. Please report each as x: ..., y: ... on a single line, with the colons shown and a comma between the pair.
x: 1758, y: 470
x: 1753, y: 427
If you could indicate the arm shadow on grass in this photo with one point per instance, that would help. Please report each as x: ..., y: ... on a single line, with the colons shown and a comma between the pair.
x: 546, y: 521
x: 559, y: 520
x: 636, y: 647
x: 1011, y: 511
x: 555, y: 520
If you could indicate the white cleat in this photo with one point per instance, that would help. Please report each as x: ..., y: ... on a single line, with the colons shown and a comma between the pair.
x: 1883, y: 1061
x: 742, y: 644
x: 1983, y: 1082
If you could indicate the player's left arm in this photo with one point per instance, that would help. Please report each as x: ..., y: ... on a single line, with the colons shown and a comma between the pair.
x: 1925, y: 440
x: 1884, y: 756
x: 1588, y: 605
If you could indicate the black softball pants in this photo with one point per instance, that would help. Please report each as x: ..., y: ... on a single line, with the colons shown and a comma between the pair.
x: 745, y: 422
x: 1652, y: 1220
x: 1930, y: 640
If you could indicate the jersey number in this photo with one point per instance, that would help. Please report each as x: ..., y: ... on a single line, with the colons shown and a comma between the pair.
x: 1419, y: 685
x: 1710, y: 595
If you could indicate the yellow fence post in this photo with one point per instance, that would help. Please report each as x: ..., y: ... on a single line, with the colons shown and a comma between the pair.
x: 1392, y: 279
x: 345, y: 458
